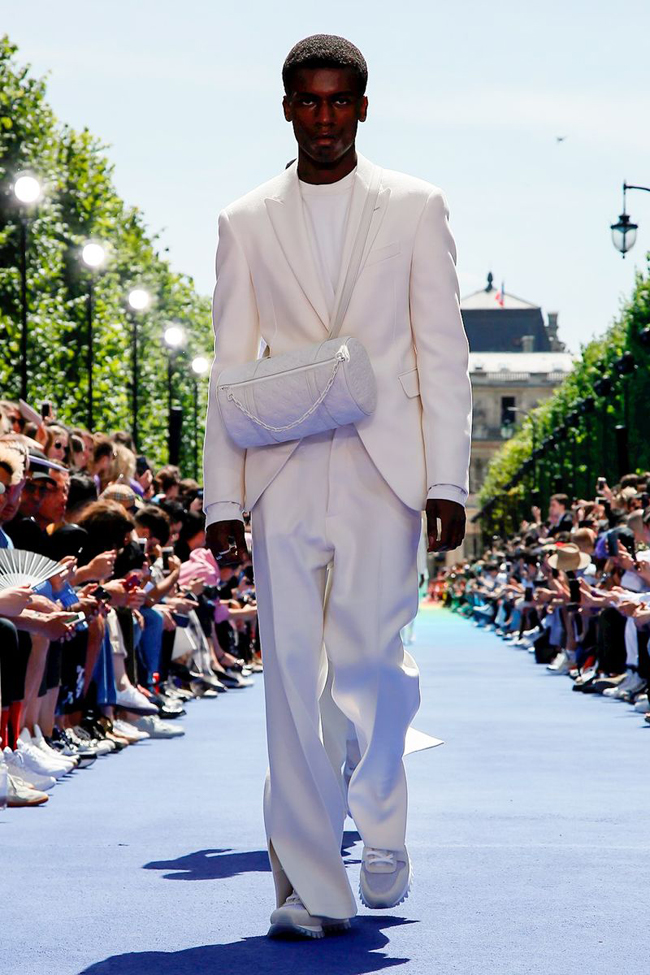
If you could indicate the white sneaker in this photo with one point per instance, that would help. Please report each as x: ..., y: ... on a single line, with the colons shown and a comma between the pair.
x: 16, y: 764
x: 38, y: 762
x: 21, y: 793
x: 385, y: 877
x: 38, y: 740
x: 623, y: 686
x: 125, y: 728
x: 156, y: 728
x: 133, y: 700
x: 635, y: 686
x: 561, y: 664
x: 642, y: 704
x: 293, y: 918
x: 46, y: 752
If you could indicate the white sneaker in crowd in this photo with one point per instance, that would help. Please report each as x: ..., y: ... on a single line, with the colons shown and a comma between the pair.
x: 38, y: 762
x: 16, y: 765
x: 385, y: 877
x: 47, y: 753
x: 641, y: 704
x: 132, y: 699
x: 38, y: 739
x: 634, y: 687
x: 623, y: 686
x: 20, y: 793
x: 129, y: 730
x: 156, y: 728
x: 560, y: 665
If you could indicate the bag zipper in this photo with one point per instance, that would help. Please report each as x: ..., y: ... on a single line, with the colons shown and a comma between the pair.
x: 286, y: 372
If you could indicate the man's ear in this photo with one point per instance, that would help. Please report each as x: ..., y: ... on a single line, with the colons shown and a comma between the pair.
x: 362, y: 113
x: 286, y: 107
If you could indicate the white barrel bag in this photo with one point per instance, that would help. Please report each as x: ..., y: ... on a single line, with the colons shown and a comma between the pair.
x: 306, y: 391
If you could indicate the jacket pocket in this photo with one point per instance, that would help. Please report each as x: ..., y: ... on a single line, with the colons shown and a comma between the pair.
x: 410, y: 382
x: 383, y: 253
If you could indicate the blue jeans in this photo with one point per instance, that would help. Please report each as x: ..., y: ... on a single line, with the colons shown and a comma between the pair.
x: 104, y: 674
x: 148, y: 643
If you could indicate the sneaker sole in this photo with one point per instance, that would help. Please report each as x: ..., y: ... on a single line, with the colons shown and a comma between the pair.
x: 291, y: 932
x: 384, y: 907
x: 335, y: 927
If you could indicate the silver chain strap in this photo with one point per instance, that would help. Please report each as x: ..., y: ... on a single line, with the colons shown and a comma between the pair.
x: 341, y: 356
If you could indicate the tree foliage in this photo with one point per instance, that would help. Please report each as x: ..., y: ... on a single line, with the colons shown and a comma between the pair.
x: 80, y: 203
x: 586, y: 447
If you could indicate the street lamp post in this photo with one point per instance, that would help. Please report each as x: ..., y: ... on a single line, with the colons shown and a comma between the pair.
x: 624, y: 231
x: 200, y: 366
x: 27, y: 191
x: 139, y: 300
x: 174, y: 338
x: 94, y: 257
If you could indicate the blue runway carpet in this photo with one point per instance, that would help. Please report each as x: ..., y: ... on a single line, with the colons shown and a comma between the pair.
x: 528, y: 831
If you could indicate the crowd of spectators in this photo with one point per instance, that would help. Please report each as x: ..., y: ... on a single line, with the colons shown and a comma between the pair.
x: 573, y: 590
x: 123, y: 617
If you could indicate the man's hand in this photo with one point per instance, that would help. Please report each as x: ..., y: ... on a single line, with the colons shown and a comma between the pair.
x: 452, y: 519
x: 14, y: 600
x: 226, y: 541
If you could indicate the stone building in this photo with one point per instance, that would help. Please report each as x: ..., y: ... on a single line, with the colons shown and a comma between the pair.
x: 516, y: 361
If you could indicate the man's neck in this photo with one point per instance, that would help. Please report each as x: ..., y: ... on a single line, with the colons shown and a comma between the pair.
x: 310, y: 171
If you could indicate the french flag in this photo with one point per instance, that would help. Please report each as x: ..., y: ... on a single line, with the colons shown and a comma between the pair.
x: 500, y: 296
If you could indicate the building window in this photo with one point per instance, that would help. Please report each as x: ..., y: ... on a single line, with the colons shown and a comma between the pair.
x: 507, y: 415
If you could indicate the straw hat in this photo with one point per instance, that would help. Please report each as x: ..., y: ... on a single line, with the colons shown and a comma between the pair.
x: 569, y: 558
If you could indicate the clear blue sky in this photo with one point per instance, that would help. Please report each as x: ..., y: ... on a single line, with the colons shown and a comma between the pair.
x: 468, y: 95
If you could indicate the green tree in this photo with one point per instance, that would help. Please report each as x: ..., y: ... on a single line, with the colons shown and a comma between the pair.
x: 585, y: 441
x: 81, y: 202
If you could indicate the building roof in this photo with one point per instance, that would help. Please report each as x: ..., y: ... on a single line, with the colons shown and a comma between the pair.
x: 487, y: 300
x: 498, y: 321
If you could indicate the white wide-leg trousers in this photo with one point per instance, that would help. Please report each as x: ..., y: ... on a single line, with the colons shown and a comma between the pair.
x: 330, y: 507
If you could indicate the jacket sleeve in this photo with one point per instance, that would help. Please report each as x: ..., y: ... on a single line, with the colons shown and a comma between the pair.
x: 442, y: 349
x: 236, y: 332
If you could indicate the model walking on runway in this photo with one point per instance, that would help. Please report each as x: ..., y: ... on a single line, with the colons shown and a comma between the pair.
x: 336, y: 514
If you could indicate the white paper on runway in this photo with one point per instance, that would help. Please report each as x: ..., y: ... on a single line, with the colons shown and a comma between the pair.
x: 418, y: 741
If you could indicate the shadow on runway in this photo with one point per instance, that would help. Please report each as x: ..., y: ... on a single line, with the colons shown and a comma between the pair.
x: 212, y: 865
x: 358, y: 952
x: 222, y: 864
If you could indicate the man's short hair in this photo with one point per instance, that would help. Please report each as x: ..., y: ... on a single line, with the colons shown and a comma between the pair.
x: 156, y: 520
x: 325, y: 51
x: 562, y: 499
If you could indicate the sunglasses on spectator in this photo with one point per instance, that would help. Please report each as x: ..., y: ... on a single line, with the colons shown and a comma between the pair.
x: 33, y: 486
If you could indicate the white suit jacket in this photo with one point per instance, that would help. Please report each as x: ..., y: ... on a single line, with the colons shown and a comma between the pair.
x: 404, y: 308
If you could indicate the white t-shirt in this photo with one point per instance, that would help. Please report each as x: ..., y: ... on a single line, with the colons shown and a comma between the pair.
x: 326, y: 214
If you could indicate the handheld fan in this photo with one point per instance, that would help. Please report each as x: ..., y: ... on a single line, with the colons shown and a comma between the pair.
x: 20, y: 568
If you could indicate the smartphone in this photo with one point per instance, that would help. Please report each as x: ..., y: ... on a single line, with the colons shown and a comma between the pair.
x: 612, y: 545
x: 132, y: 581
x: 142, y: 542
x: 574, y: 591
x: 555, y: 573
x: 76, y: 618
x: 528, y: 594
x: 601, y: 484
x: 180, y: 619
x: 46, y: 409
x: 166, y: 552
x: 101, y: 593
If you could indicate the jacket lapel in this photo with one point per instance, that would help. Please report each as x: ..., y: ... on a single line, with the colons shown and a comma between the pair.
x: 359, y: 194
x: 286, y: 213
x: 287, y: 216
